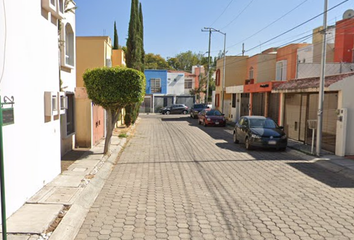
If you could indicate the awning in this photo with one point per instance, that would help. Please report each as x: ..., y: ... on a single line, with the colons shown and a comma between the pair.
x: 308, y: 84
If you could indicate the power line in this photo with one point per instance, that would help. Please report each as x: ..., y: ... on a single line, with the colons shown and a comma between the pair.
x: 222, y: 13
x: 238, y: 15
x: 269, y: 24
x: 301, y: 24
x: 348, y: 25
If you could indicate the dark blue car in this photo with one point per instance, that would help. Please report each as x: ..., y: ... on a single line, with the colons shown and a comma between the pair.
x: 197, y: 108
x: 259, y: 131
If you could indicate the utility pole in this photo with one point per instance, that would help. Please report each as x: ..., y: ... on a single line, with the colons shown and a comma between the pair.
x: 322, y: 80
x: 207, y: 87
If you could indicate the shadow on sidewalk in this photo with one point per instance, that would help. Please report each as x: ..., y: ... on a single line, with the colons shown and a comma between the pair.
x: 72, y: 156
x: 330, y: 178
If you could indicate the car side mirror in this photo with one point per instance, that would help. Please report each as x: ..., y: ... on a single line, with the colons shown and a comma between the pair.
x: 281, y: 127
x: 222, y: 114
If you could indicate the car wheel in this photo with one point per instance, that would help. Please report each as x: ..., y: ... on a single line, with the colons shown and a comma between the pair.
x: 248, y: 144
x: 167, y: 112
x: 235, y: 138
x: 185, y: 112
x: 282, y: 149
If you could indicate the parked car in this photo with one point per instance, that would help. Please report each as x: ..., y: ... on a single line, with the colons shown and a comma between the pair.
x: 196, y: 109
x: 175, y: 108
x: 211, y: 117
x: 259, y: 131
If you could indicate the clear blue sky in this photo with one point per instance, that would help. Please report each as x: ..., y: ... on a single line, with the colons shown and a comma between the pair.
x: 174, y: 26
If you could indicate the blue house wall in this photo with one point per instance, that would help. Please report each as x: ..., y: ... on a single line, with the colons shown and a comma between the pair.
x: 162, y: 74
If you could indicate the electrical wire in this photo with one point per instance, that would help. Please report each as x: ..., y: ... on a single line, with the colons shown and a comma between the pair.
x: 346, y: 26
x: 5, y: 36
x: 222, y: 13
x: 301, y: 24
x: 269, y: 24
x: 238, y: 15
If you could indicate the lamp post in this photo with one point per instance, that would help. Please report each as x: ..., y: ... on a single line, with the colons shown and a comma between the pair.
x: 321, y: 87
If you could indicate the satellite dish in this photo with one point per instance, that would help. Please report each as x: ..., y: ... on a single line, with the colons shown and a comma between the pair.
x: 348, y: 14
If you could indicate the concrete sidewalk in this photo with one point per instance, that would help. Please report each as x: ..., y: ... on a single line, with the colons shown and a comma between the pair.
x: 66, y: 199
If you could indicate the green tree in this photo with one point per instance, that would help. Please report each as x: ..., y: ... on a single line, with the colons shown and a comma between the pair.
x: 153, y: 61
x: 115, y: 37
x: 185, y: 60
x: 134, y: 51
x: 141, y: 31
x: 113, y: 89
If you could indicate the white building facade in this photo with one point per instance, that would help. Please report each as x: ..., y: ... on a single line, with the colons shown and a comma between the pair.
x: 29, y: 72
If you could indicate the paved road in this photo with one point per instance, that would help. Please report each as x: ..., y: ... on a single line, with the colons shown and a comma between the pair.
x: 178, y: 180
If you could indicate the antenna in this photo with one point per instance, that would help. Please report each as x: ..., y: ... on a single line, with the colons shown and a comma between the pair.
x: 348, y: 14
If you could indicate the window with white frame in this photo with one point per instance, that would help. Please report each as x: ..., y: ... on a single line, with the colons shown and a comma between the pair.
x: 155, y: 85
x: 251, y: 73
x: 69, y: 45
x: 281, y: 70
x: 188, y: 83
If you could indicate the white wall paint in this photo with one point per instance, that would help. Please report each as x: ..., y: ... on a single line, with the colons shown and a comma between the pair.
x: 31, y: 146
x: 175, y: 83
x: 346, y: 87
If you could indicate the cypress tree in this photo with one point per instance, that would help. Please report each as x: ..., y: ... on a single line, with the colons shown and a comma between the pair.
x: 142, y: 37
x: 115, y: 39
x: 133, y: 56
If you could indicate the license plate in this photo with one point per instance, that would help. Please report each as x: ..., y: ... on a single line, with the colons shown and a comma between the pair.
x: 216, y: 123
x: 272, y: 142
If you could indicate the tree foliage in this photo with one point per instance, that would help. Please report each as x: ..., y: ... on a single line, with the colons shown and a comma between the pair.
x: 153, y: 61
x: 113, y: 89
x: 135, y: 41
x: 115, y: 37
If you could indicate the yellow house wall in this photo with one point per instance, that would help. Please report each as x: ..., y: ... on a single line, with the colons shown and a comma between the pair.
x: 235, y: 71
x: 91, y: 52
x: 317, y: 47
x: 83, y: 122
x: 118, y: 58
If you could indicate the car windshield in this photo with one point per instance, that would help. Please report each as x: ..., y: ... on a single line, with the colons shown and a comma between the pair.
x: 213, y: 113
x: 262, y: 123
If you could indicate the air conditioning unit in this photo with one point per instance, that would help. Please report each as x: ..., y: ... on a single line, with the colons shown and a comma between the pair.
x: 63, y: 102
x: 51, y: 104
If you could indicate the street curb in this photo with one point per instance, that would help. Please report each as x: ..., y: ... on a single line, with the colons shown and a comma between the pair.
x: 74, y: 218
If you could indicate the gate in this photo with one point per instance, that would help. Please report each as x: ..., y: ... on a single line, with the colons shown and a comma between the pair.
x: 187, y: 100
x: 145, y: 106
x: 161, y: 102
x: 273, y: 106
x: 245, y: 104
x: 258, y: 104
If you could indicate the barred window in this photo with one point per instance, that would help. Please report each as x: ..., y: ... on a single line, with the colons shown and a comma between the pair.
x: 155, y: 84
x: 188, y: 83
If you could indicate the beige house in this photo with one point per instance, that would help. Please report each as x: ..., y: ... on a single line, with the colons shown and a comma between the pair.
x: 235, y: 74
x: 92, y: 52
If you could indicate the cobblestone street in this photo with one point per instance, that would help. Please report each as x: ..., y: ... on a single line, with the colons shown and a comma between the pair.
x: 179, y: 180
